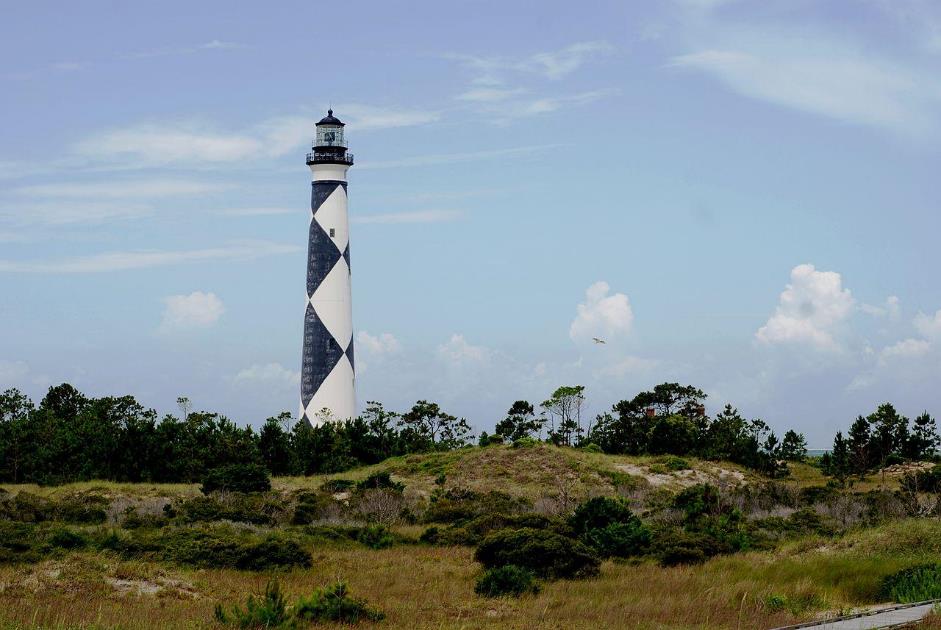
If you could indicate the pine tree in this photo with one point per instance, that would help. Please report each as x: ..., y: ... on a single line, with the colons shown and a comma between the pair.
x: 858, y: 446
x: 924, y: 439
x: 840, y: 458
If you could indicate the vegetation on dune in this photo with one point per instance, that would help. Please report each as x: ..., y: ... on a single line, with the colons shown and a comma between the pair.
x: 421, y: 521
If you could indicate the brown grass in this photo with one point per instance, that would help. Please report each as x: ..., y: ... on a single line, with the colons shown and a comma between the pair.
x: 419, y: 588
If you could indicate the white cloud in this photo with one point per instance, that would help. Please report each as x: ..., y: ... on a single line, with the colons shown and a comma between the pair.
x: 384, y: 343
x: 214, y: 44
x: 259, y: 211
x: 890, y: 310
x: 601, y: 315
x: 489, y: 94
x: 360, y: 117
x: 120, y: 261
x: 196, y: 310
x: 197, y: 141
x: 454, y: 158
x: 905, y: 349
x: 929, y: 325
x: 134, y: 189
x: 811, y: 309
x: 12, y: 372
x: 458, y: 351
x: 71, y: 212
x: 821, y: 76
x: 419, y: 216
x: 557, y: 64
x: 269, y: 373
x: 551, y: 65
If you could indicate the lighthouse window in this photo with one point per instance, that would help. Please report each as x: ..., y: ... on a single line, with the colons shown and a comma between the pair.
x: 332, y: 232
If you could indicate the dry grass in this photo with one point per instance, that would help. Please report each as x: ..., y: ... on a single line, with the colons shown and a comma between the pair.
x: 420, y: 588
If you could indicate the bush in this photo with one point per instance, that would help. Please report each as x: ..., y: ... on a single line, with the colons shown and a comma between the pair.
x: 26, y: 508
x: 675, y: 463
x: 334, y: 603
x: 460, y: 504
x: 548, y: 554
x: 268, y: 612
x: 598, y: 513
x: 621, y: 540
x: 67, y: 539
x: 591, y: 447
x: 525, y: 442
x: 914, y: 584
x: 83, y: 508
x: 309, y: 507
x: 506, y: 580
x: 375, y: 537
x: 471, y: 532
x: 380, y: 480
x: 218, y: 547
x: 237, y: 478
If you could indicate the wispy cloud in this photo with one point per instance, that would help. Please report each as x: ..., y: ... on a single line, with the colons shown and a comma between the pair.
x: 70, y: 212
x: 133, y: 189
x: 833, y: 82
x: 419, y: 216
x: 166, y: 51
x: 451, y: 158
x: 491, y: 70
x: 261, y: 211
x: 193, y: 142
x: 122, y: 261
x: 490, y: 94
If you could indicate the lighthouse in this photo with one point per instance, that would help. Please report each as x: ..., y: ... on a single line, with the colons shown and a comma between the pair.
x: 327, y: 369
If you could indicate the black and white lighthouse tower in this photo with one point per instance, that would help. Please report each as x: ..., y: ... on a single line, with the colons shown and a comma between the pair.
x: 327, y: 372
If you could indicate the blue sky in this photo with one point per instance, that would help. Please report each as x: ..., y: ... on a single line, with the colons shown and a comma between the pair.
x: 738, y: 194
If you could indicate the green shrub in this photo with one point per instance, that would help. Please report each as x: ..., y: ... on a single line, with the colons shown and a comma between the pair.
x: 379, y: 480
x: 26, y: 508
x: 460, y: 504
x: 471, y: 532
x: 375, y: 537
x: 66, y: 539
x: 914, y: 584
x: 237, y: 478
x: 506, y: 580
x: 334, y: 603
x: 334, y: 486
x: 256, y: 508
x: 268, y: 612
x: 591, y: 447
x: 82, y: 508
x: 309, y: 507
x: 490, y: 440
x: 548, y: 554
x: 16, y: 542
x: 599, y: 512
x: 217, y: 547
x: 675, y: 463
x: 525, y: 442
x: 620, y: 540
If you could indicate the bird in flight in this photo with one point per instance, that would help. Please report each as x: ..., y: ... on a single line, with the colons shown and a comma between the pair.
x: 596, y: 340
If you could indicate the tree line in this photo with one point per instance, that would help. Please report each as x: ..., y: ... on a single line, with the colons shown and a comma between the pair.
x: 69, y: 436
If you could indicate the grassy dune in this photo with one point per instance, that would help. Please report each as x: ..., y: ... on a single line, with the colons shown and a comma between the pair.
x: 420, y: 587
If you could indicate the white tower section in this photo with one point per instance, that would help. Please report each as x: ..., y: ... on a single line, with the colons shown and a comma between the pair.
x: 327, y: 367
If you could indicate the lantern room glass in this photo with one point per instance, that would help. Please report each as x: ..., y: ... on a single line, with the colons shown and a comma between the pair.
x: 330, y: 136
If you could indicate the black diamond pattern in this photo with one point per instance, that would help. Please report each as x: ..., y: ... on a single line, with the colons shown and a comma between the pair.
x: 321, y: 355
x: 346, y: 256
x: 322, y: 255
x: 319, y: 193
x: 349, y: 354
